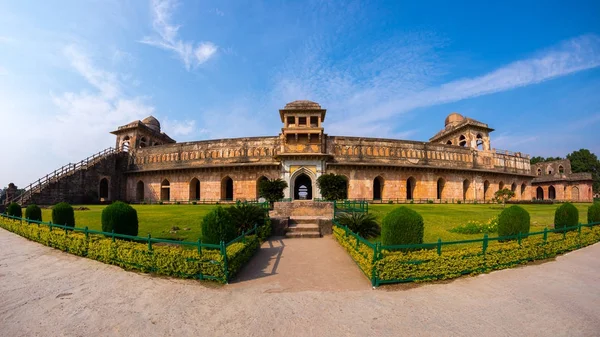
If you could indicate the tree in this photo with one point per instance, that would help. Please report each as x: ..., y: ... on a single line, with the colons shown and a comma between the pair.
x: 539, y: 159
x: 585, y: 161
x: 272, y: 190
x: 504, y: 195
x: 333, y: 186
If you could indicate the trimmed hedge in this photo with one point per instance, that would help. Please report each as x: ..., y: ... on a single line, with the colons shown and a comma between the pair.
x: 120, y: 217
x: 63, y: 214
x: 566, y: 215
x: 33, y: 212
x: 14, y: 209
x: 402, y: 226
x: 218, y: 226
x: 425, y: 265
x: 513, y: 220
x: 593, y: 213
x: 162, y: 260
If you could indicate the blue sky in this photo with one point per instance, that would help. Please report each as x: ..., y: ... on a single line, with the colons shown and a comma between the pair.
x: 72, y: 71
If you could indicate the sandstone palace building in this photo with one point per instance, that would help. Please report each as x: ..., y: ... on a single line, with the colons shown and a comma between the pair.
x: 457, y: 163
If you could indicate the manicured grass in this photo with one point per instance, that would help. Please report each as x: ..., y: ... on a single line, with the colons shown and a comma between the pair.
x: 439, y: 219
x: 156, y: 220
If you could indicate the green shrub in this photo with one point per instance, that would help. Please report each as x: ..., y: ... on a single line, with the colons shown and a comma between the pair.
x: 120, y: 217
x: 33, y: 212
x: 390, y: 202
x: 363, y: 224
x: 402, y: 226
x: 218, y: 226
x: 429, y: 201
x: 194, y: 203
x: 593, y: 214
x: 245, y: 216
x: 566, y: 215
x: 476, y: 227
x: 63, y: 214
x: 333, y: 186
x: 265, y: 230
x: 14, y: 209
x: 513, y: 220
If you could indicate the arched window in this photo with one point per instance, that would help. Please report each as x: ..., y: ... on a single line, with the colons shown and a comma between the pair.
x: 500, y: 185
x: 139, y: 191
x: 539, y: 171
x: 165, y: 190
x: 551, y: 193
x: 479, y: 141
x: 575, y: 193
x: 303, y: 187
x: 523, y: 187
x: 143, y: 142
x: 440, y: 188
x: 378, y: 188
x: 261, y: 179
x: 466, y: 185
x: 125, y: 144
x: 449, y: 142
x: 103, y: 189
x: 462, y: 140
x: 194, y: 189
x: 561, y: 169
x: 227, y: 188
x: 513, y: 187
x: 411, y: 184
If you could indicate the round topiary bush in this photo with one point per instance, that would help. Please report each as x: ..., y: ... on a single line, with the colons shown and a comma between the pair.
x: 33, y: 212
x: 120, y: 217
x: 513, y: 220
x: 63, y: 214
x: 402, y: 226
x: 14, y: 209
x: 593, y: 214
x: 218, y: 226
x: 565, y: 216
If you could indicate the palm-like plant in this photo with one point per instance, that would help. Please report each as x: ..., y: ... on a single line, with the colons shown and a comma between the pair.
x: 363, y: 224
x: 245, y: 216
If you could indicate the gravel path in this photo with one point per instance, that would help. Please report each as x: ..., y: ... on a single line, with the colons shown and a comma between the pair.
x: 45, y: 292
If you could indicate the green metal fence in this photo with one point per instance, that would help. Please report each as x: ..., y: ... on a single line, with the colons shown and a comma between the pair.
x: 350, y: 206
x: 367, y: 255
x: 199, y: 246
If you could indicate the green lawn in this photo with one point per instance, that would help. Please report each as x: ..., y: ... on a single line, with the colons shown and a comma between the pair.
x: 155, y: 220
x: 439, y: 219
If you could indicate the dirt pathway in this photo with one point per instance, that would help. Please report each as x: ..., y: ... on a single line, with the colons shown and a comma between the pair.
x: 45, y: 292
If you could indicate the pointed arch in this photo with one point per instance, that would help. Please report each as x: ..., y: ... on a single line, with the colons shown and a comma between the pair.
x: 551, y: 192
x: 462, y: 141
x: 227, y: 188
x: 539, y: 193
x: 466, y: 186
x: 258, y: 181
x: 378, y: 183
x: 500, y: 185
x: 575, y: 193
x: 103, y: 192
x: 165, y: 190
x: 486, y: 189
x: 411, y: 184
x: 194, y: 189
x: 523, y: 188
x: 440, y: 188
x: 139, y: 191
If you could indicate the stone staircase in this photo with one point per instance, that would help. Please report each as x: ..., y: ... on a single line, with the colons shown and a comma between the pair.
x: 303, y: 227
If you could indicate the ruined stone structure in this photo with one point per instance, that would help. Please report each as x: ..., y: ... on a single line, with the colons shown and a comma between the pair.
x: 458, y: 163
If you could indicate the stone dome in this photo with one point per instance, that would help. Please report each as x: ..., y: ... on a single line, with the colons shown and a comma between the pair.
x: 453, y: 119
x: 152, y: 123
x: 303, y: 105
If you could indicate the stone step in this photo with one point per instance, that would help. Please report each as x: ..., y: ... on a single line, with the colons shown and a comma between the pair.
x: 302, y: 235
x: 303, y: 228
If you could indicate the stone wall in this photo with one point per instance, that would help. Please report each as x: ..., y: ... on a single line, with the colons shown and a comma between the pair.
x: 302, y: 208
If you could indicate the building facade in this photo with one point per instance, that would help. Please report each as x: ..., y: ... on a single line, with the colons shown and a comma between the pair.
x: 458, y: 163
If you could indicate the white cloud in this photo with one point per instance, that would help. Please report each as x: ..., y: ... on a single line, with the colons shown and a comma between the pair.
x: 178, y: 128
x: 167, y: 37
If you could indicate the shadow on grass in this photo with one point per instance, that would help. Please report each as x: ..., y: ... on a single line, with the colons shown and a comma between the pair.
x: 261, y: 264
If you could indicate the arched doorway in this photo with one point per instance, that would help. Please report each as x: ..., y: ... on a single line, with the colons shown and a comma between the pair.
x: 165, y: 190
x: 500, y: 186
x: 440, y: 188
x: 466, y: 185
x: 139, y: 191
x: 539, y: 193
x: 486, y: 187
x: 523, y: 187
x: 103, y: 189
x: 551, y: 193
x: 411, y: 183
x: 575, y: 193
x: 346, y: 187
x: 227, y: 188
x: 261, y: 179
x: 302, y: 187
x: 377, y: 188
x: 195, y: 189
